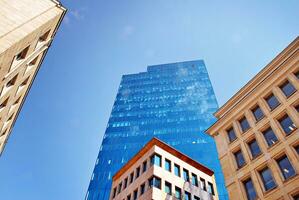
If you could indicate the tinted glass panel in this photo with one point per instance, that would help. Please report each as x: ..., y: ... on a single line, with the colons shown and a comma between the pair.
x: 185, y: 175
x: 285, y: 167
x: 187, y: 196
x: 250, y: 191
x: 244, y: 124
x: 231, y: 134
x: 144, y: 166
x: 287, y: 124
x: 194, y: 180
x: 258, y: 113
x: 272, y: 102
x: 156, y: 160
x: 142, y: 189
x: 155, y: 182
x: 270, y: 137
x: 239, y: 159
x: 267, y: 179
x: 177, y: 170
x: 167, y: 188
x: 211, y: 188
x: 287, y: 88
x: 203, y: 184
x: 178, y: 193
x: 254, y: 148
x: 168, y: 165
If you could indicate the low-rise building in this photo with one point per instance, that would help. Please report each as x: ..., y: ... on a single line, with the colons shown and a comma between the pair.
x: 257, y: 133
x: 158, y: 172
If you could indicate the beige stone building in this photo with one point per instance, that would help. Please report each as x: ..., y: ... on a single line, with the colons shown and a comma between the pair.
x: 158, y: 172
x: 27, y: 28
x: 257, y: 133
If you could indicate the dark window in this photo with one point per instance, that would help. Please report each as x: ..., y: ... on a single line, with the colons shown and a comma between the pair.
x: 211, y: 188
x: 249, y: 188
x: 254, y: 148
x: 177, y: 171
x: 296, y: 197
x: 187, y: 196
x: 119, y: 188
x: 297, y: 107
x: 203, y: 184
x: 22, y: 54
x: 137, y: 172
x: 156, y: 160
x: 155, y: 182
x: 142, y: 189
x: 286, y: 167
x: 297, y: 148
x: 231, y: 134
x: 129, y: 197
x: 196, y: 198
x: 135, y: 194
x: 287, y: 88
x: 258, y: 113
x: 244, y: 124
x: 239, y: 159
x: 131, y: 177
x: 125, y: 183
x: 270, y: 137
x: 287, y: 124
x: 114, y: 192
x: 194, y: 180
x: 297, y: 74
x: 178, y: 193
x: 144, y: 166
x: 12, y: 81
x: 267, y: 179
x: 272, y: 101
x: 167, y: 165
x: 44, y: 36
x: 167, y: 188
x: 186, y: 175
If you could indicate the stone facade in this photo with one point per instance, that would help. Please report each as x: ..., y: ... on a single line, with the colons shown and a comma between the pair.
x: 151, y: 161
x: 27, y: 28
x: 263, y: 146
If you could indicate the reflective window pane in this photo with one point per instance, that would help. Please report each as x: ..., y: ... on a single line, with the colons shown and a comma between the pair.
x: 254, y: 148
x: 286, y: 167
x: 194, y: 180
x: 239, y: 159
x: 186, y: 175
x: 177, y: 170
x: 168, y: 188
x: 249, y: 188
x: 211, y: 188
x: 267, y: 179
x: 287, y: 88
x: 231, y: 134
x: 203, y: 184
x: 187, y: 196
x: 167, y: 165
x: 244, y: 124
x: 258, y: 113
x: 178, y: 193
x: 155, y: 182
x: 156, y: 160
x: 287, y: 124
x: 272, y: 102
x: 270, y: 137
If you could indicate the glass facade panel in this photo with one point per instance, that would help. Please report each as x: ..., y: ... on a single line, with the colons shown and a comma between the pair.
x: 287, y: 124
x: 270, y: 137
x: 272, y: 102
x: 287, y: 88
x: 174, y: 102
x: 286, y: 167
x: 254, y: 148
x: 250, y: 191
x: 267, y: 179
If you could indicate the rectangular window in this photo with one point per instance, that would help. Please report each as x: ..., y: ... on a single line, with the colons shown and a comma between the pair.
x: 178, y: 193
x: 144, y: 165
x: 203, y: 184
x: 239, y: 159
x: 254, y: 148
x: 114, y: 192
x: 131, y: 177
x: 168, y: 188
x: 186, y: 175
x: 177, y: 170
x: 119, y: 187
x: 286, y: 167
x: 297, y: 107
x: 297, y: 74
x: 167, y: 165
x: 287, y: 88
x: 244, y: 124
x: 231, y: 134
x: 249, y: 188
x: 20, y: 56
x: 155, y: 182
x: 296, y: 196
x: 258, y: 113
x: 125, y: 183
x: 211, y: 188
x: 196, y: 198
x: 187, y: 196
x: 267, y: 179
x: 287, y: 124
x: 297, y: 148
x: 142, y: 189
x: 129, y: 197
x: 270, y: 137
x: 272, y: 101
x: 135, y: 194
x: 194, y: 180
x: 137, y: 172
x: 156, y: 160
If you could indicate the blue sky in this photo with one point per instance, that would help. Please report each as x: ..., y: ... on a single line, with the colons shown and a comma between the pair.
x: 54, y: 144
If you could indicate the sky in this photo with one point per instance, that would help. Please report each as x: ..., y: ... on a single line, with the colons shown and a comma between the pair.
x: 52, y: 150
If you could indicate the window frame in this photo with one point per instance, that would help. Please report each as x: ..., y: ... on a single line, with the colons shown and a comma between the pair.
x: 266, y: 98
x: 285, y: 83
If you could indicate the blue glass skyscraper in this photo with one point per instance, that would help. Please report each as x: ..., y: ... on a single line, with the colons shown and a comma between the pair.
x: 174, y: 102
